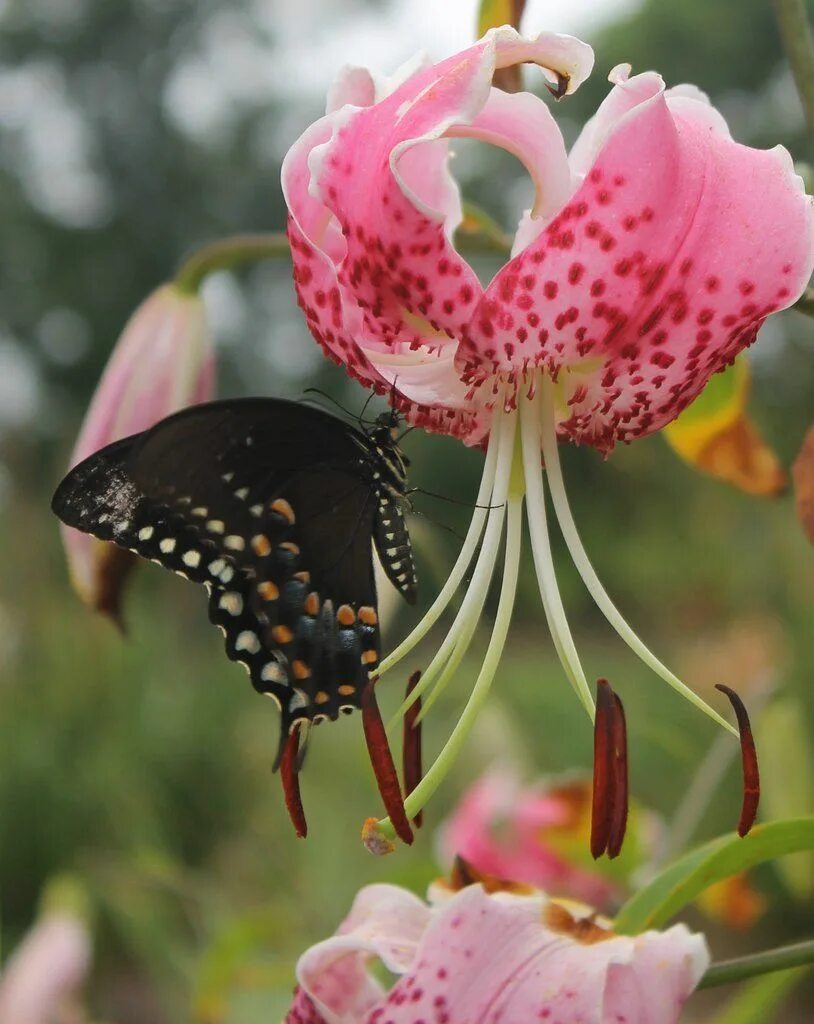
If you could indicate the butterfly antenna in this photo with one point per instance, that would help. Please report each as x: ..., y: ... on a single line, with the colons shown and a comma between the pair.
x: 452, y: 501
x: 435, y: 522
x: 329, y: 398
x: 361, y: 416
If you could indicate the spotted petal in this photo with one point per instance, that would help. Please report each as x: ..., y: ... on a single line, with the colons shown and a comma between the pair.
x: 657, y: 272
x: 335, y: 985
x: 373, y: 209
x: 505, y: 958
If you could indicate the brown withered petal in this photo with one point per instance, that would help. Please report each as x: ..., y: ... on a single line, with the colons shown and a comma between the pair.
x: 751, y: 772
x: 411, y: 746
x: 289, y: 776
x: 382, y: 761
x: 114, y: 568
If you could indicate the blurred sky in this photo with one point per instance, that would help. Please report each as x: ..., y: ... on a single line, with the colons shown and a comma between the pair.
x: 309, y: 40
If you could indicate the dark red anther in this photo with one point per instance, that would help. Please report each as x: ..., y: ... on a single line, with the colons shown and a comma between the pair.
x: 751, y: 773
x: 411, y: 745
x: 382, y: 761
x: 610, y: 790
x: 289, y: 776
x: 620, y: 781
x: 602, y: 803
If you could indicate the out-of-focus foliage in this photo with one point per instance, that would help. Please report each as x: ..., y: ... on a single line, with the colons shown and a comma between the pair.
x: 716, y: 435
x: 130, y: 132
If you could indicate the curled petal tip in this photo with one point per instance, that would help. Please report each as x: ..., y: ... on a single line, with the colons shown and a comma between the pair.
x: 749, y: 761
x: 375, y: 841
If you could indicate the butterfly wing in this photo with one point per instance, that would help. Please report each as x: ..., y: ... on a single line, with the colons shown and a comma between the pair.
x: 272, y: 506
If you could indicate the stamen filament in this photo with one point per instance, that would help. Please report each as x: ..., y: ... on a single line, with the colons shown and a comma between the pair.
x: 460, y: 634
x: 433, y: 778
x: 468, y: 548
x: 586, y: 570
x: 543, y: 562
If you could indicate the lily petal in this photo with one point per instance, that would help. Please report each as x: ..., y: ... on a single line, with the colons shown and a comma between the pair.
x: 162, y: 362
x: 542, y: 972
x: 385, y: 921
x: 658, y: 271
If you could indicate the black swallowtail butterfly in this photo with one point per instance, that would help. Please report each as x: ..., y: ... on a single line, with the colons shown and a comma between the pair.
x: 274, y: 507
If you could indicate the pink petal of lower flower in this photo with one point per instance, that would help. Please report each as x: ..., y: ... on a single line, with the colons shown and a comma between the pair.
x: 493, y: 959
x: 658, y: 271
x: 386, y: 922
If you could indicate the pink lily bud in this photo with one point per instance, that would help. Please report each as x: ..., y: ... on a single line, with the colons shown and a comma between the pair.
x: 476, y: 955
x: 162, y: 362
x: 45, y: 971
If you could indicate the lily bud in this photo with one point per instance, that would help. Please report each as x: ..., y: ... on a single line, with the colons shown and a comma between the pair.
x: 162, y: 362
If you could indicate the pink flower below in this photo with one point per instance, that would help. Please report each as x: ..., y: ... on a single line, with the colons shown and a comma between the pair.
x: 499, y: 958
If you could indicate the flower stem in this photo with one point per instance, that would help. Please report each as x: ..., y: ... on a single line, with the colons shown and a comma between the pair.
x: 798, y: 42
x: 425, y: 789
x: 805, y: 304
x: 727, y: 971
x: 226, y: 253
x: 586, y: 570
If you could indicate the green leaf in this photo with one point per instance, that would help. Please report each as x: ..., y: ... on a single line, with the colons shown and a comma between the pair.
x: 787, y: 780
x: 716, y: 435
x: 757, y: 999
x: 684, y: 880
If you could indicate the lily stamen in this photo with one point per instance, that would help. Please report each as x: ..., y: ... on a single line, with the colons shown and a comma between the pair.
x: 383, y: 766
x: 411, y: 745
x: 751, y: 772
x: 290, y: 778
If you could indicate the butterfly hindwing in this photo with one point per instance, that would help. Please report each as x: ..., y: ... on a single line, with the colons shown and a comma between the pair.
x: 271, y: 505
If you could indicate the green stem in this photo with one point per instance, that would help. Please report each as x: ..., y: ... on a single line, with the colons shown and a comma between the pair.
x: 727, y: 971
x: 805, y: 304
x: 795, y: 33
x: 229, y: 252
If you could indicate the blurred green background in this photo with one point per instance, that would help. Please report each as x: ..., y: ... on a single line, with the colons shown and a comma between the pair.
x: 132, y: 131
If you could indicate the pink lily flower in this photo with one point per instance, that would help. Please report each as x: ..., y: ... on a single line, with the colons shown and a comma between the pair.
x: 162, y: 362
x: 652, y: 254
x: 533, y: 834
x: 501, y: 957
x: 46, y: 971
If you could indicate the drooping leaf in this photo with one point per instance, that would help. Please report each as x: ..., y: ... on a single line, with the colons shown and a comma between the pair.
x: 787, y: 780
x: 680, y: 883
x: 803, y: 474
x: 716, y: 435
x: 492, y: 14
x: 758, y: 998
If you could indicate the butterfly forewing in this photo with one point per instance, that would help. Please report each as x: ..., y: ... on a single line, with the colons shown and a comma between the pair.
x: 273, y: 506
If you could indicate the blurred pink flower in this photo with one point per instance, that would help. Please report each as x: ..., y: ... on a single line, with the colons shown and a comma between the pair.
x: 537, y: 835
x: 162, y: 362
x: 475, y: 956
x: 45, y: 971
x: 651, y: 256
